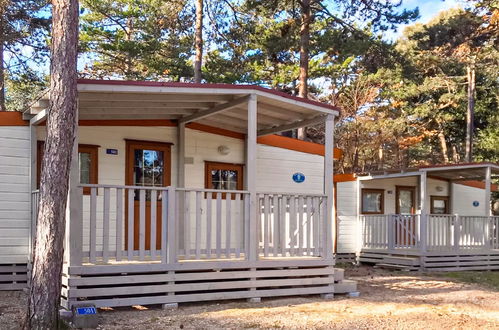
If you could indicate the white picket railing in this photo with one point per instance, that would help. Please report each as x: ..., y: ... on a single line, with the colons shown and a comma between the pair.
x: 212, y: 223
x: 156, y: 224
x: 390, y: 231
x: 291, y: 224
x: 442, y: 232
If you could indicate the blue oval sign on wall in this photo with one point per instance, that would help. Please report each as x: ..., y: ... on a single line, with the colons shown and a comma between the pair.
x: 476, y: 203
x: 298, y: 177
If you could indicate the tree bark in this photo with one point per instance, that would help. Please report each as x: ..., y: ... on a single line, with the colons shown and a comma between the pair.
x: 2, y: 68
x: 198, y: 42
x: 470, y: 113
x: 45, y: 290
x: 443, y: 146
x: 304, y: 56
x: 304, y: 47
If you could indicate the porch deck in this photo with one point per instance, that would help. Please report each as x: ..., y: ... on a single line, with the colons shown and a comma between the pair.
x: 431, y: 242
x: 201, y: 249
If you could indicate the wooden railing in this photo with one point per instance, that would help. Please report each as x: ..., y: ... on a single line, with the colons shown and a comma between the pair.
x: 213, y: 224
x: 390, y: 231
x: 291, y: 225
x: 434, y: 232
x: 167, y: 224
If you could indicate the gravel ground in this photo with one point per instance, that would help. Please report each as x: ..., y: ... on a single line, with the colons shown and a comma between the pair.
x: 389, y: 300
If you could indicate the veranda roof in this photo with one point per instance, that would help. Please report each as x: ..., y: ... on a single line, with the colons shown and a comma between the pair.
x: 218, y: 105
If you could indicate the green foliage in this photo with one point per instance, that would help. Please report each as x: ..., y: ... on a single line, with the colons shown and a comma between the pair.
x: 24, y: 31
x: 23, y: 89
x: 137, y: 39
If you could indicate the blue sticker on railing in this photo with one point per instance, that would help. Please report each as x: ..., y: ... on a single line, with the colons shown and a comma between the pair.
x: 298, y: 177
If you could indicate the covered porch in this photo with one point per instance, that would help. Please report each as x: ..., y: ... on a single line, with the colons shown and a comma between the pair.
x: 153, y: 239
x: 444, y: 222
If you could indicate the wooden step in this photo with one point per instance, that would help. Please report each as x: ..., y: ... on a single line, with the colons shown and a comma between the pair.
x: 399, y: 260
x: 339, y: 274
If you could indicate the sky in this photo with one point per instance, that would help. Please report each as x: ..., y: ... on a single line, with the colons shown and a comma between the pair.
x: 427, y: 9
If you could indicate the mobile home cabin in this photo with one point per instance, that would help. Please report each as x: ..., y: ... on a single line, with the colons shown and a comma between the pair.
x: 181, y: 192
x: 434, y: 218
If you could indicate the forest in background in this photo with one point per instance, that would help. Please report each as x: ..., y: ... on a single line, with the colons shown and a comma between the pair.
x: 405, y: 103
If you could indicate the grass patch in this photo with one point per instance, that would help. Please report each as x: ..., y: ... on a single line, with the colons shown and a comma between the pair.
x: 486, y: 278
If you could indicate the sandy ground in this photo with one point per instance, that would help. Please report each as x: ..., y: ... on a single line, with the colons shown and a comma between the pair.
x: 389, y: 300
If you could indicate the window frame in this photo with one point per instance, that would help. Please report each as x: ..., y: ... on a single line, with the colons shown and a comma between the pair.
x: 210, y: 165
x: 382, y: 202
x: 440, y: 198
x: 91, y: 149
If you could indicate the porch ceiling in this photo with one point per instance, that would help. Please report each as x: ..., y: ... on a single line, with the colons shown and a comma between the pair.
x: 458, y: 172
x: 218, y: 105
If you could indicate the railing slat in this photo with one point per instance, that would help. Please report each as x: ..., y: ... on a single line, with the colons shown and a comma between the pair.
x: 153, y: 219
x: 131, y: 229
x: 142, y: 223
x: 187, y: 225
x: 93, y: 224
x: 300, y: 226
x: 119, y: 223
x: 219, y: 225
x: 208, y: 225
x: 275, y: 238
x: 292, y: 225
x: 105, y: 226
x: 198, y: 225
x: 266, y: 225
x: 238, y: 225
x: 309, y: 225
x: 282, y: 224
x: 228, y: 223
x: 164, y: 224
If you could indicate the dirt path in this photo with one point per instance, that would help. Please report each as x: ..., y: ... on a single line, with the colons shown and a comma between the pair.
x: 388, y: 300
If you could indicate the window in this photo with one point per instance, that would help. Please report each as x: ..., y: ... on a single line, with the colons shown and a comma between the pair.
x: 439, y: 205
x: 223, y: 176
x: 88, y: 160
x: 373, y: 201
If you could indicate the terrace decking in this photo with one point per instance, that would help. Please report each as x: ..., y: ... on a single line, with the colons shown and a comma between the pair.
x: 202, y: 249
x: 431, y: 242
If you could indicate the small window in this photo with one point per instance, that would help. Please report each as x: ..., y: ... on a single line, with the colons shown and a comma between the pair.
x: 439, y: 205
x: 373, y: 201
x: 223, y: 176
x: 88, y: 161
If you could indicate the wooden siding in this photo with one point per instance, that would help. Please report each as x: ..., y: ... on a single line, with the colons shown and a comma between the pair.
x: 14, y: 194
x: 348, y: 224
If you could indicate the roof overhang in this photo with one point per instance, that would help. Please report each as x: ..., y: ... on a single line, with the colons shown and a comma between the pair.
x: 217, y: 105
x: 453, y: 172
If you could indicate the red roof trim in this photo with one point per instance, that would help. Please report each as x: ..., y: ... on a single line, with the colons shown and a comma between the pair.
x: 194, y: 85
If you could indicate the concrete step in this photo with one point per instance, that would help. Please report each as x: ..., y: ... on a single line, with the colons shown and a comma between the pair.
x: 345, y: 286
x: 339, y: 274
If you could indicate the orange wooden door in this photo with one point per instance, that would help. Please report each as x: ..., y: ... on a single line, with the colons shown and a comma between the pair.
x: 148, y: 164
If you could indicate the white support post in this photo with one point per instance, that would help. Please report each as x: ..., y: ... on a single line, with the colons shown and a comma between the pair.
x: 33, y: 183
x: 488, y: 183
x: 423, y: 226
x: 251, y: 176
x: 329, y: 187
x: 181, y: 155
x: 74, y: 225
x: 180, y: 215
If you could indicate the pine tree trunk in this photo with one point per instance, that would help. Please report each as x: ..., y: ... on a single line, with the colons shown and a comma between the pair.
x: 443, y: 147
x: 45, y: 290
x: 304, y: 55
x: 2, y: 68
x: 198, y: 42
x: 470, y: 114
